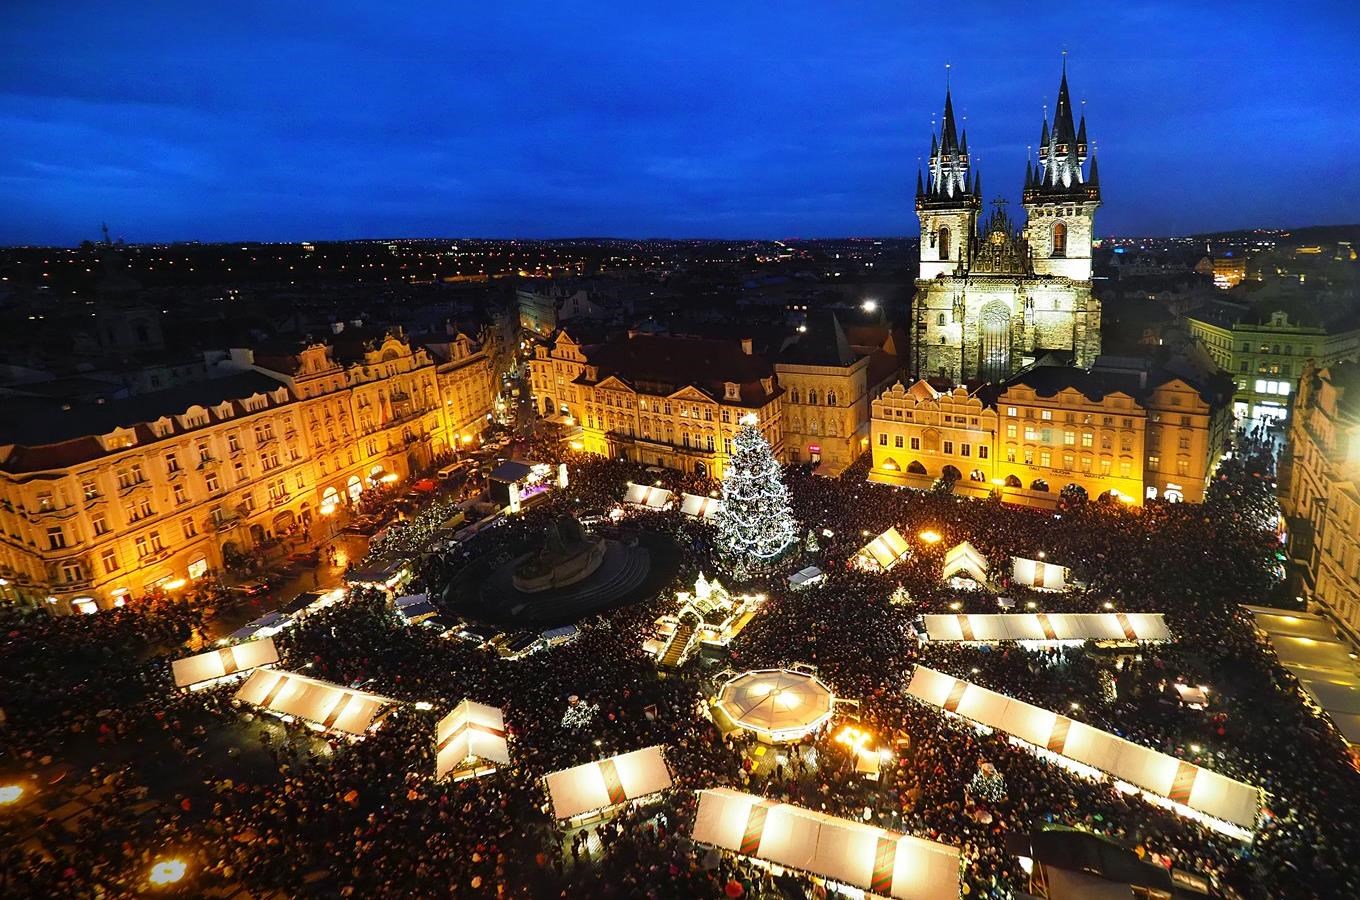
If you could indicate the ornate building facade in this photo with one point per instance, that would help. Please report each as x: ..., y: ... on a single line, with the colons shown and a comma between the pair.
x: 104, y: 503
x: 990, y: 300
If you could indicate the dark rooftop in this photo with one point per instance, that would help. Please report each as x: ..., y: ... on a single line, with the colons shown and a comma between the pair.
x: 34, y: 421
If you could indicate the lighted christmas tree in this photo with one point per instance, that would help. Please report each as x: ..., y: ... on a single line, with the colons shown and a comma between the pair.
x: 755, y: 525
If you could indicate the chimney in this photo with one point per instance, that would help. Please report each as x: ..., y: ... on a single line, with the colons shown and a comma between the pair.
x: 746, y: 346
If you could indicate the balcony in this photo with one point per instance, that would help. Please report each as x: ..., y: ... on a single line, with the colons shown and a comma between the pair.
x: 54, y: 513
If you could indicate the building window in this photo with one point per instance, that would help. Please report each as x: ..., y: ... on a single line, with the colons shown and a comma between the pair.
x: 883, y: 439
x: 109, y: 559
x: 1010, y: 430
x: 1069, y: 438
x: 1183, y: 467
x: 916, y: 443
x: 939, y: 320
x: 1123, y: 469
x: 1059, y: 239
x: 190, y: 530
x: 101, y: 525
x: 142, y: 549
x: 233, y: 443
x: 1010, y: 411
x: 89, y: 488
x: 897, y: 441
x: 171, y: 463
x: 210, y: 480
x: 56, y: 538
x: 1046, y: 415
x: 1045, y: 459
x: 944, y: 243
x: 181, y: 496
x: 949, y: 448
x: 1154, y: 462
x: 966, y: 449
x: 982, y: 452
x: 1088, y: 440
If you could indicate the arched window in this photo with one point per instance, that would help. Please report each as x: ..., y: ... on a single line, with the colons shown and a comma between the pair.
x: 812, y: 396
x: 793, y: 395
x: 944, y: 243
x: 1059, y: 239
x: 830, y: 398
x: 939, y: 320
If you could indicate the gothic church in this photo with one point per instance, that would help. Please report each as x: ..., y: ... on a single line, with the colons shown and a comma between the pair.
x: 991, y: 299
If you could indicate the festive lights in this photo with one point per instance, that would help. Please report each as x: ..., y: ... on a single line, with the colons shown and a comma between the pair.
x: 755, y: 524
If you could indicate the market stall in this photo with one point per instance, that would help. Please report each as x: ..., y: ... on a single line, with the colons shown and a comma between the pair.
x: 646, y: 496
x: 470, y: 741
x: 595, y: 787
x: 1046, y: 628
x: 883, y: 552
x: 203, y: 669
x: 1190, y: 789
x: 1038, y: 574
x: 964, y: 560
x: 329, y: 707
x: 699, y: 507
x: 851, y: 853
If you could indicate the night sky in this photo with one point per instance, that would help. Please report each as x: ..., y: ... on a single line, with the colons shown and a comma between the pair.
x: 216, y: 121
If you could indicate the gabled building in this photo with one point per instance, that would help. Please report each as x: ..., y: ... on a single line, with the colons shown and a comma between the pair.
x: 663, y: 400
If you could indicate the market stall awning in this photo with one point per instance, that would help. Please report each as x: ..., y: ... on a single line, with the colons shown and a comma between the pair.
x: 1051, y: 627
x: 700, y: 507
x: 238, y: 658
x: 1198, y: 789
x: 608, y: 782
x: 1036, y: 573
x: 883, y: 552
x: 1307, y: 645
x: 329, y: 705
x: 268, y: 624
x: 472, y: 731
x: 964, y: 559
x: 776, y: 704
x: 645, y: 495
x: 861, y: 856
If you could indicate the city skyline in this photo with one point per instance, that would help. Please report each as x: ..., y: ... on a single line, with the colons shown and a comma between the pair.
x: 176, y: 124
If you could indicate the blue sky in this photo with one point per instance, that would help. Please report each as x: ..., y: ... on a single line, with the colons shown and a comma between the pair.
x: 280, y: 121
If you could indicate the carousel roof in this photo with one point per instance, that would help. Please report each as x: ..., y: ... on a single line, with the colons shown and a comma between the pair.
x: 777, y: 701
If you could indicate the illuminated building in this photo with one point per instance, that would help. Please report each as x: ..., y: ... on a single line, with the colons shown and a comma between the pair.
x: 1322, y: 501
x: 1134, y: 434
x: 105, y: 502
x: 827, y: 384
x: 663, y: 400
x: 989, y: 301
x: 466, y: 384
x: 1266, y: 353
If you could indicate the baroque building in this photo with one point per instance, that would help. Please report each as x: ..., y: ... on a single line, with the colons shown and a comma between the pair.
x: 991, y: 300
x: 104, y: 502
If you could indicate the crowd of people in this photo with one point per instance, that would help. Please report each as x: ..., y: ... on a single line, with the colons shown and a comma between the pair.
x: 253, y: 803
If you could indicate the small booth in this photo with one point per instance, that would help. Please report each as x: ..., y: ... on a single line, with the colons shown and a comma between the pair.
x: 964, y: 561
x: 267, y: 625
x: 328, y: 707
x: 860, y: 856
x: 1226, y: 805
x: 588, y: 792
x: 883, y: 552
x: 470, y: 741
x: 807, y: 577
x: 1038, y: 574
x: 384, y: 572
x: 205, y: 669
x: 415, y: 608
x: 778, y: 706
x: 699, y: 507
x: 647, y: 496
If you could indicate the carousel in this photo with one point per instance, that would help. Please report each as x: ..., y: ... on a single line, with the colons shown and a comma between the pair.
x: 778, y: 706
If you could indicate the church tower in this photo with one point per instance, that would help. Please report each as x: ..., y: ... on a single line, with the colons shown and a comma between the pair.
x: 947, y: 202
x: 1060, y: 199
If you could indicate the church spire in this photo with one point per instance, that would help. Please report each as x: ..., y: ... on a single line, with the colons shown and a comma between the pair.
x: 920, y: 188
x: 948, y: 178
x: 1062, y: 150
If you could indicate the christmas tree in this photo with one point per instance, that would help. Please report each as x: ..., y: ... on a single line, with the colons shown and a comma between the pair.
x: 755, y: 525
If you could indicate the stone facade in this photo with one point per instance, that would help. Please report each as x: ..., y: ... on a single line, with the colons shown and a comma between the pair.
x: 990, y: 300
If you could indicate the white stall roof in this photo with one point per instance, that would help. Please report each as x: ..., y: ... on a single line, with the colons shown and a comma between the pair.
x: 1300, y: 624
x: 330, y: 705
x: 1202, y: 790
x: 471, y: 730
x: 988, y: 627
x: 1037, y: 573
x: 227, y: 661
x: 964, y: 559
x: 618, y: 779
x: 700, y: 507
x: 642, y: 495
x: 884, y: 551
x: 882, y: 862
